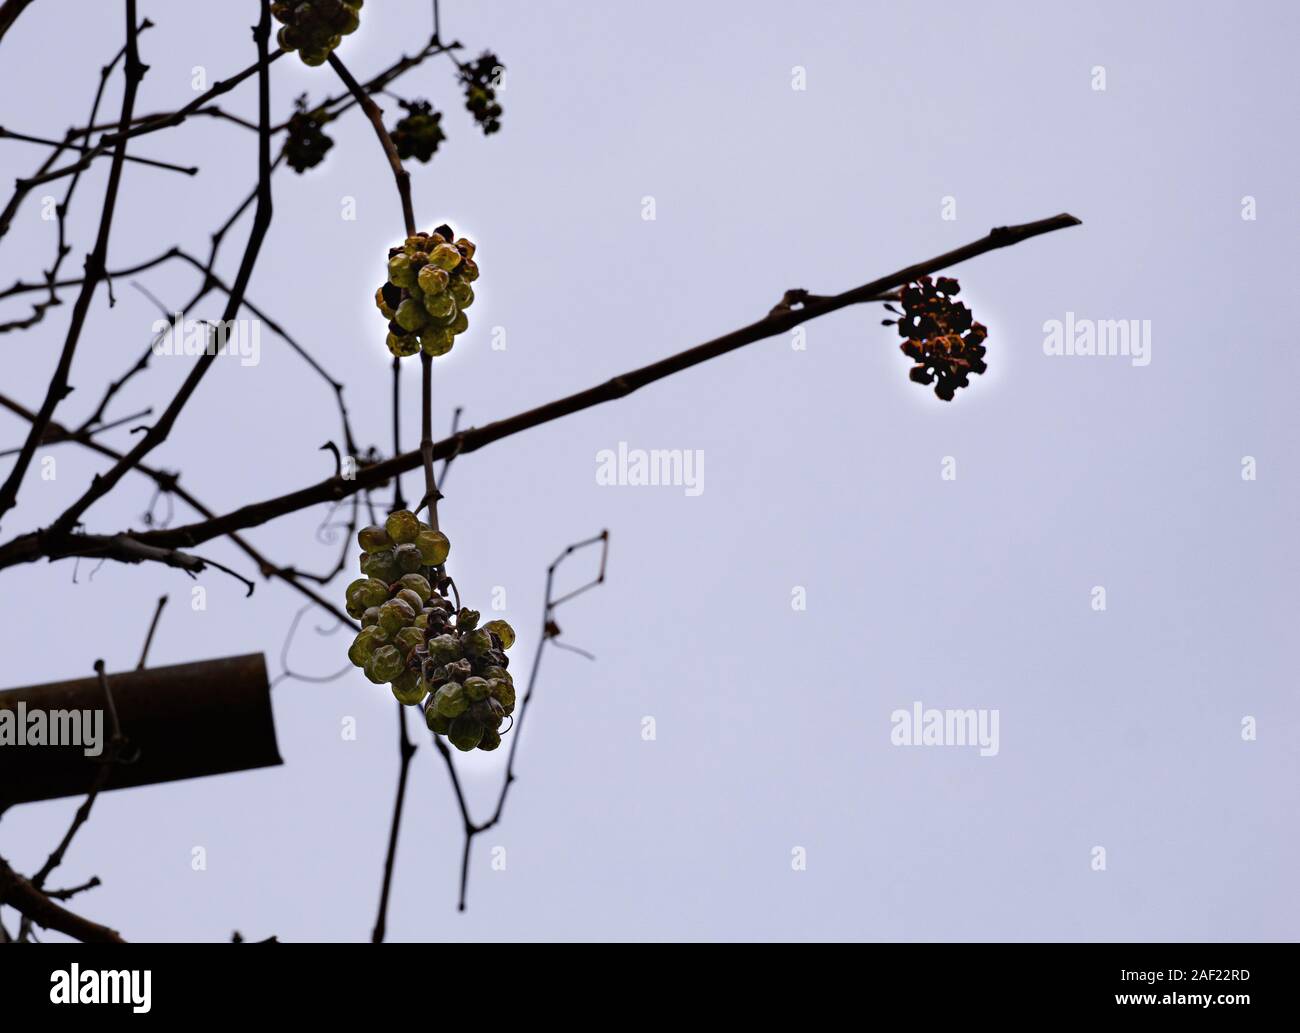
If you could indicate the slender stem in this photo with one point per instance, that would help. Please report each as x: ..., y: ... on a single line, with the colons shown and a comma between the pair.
x: 431, y: 493
x: 399, y: 502
x: 30, y: 547
x: 148, y: 639
x: 406, y: 749
x: 376, y: 117
x: 133, y: 72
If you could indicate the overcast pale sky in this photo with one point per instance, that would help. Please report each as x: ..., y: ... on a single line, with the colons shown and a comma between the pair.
x: 822, y: 470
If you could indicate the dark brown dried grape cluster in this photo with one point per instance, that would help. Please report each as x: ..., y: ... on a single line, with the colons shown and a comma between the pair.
x: 433, y: 655
x: 479, y: 79
x: 942, y: 338
x: 315, y: 27
x: 306, y: 144
x: 427, y: 291
x: 419, y: 132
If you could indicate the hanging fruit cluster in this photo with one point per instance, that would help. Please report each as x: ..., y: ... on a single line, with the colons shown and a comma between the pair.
x: 433, y: 655
x: 427, y: 292
x: 315, y: 27
x: 419, y: 132
x: 480, y: 78
x: 306, y: 144
x: 942, y: 339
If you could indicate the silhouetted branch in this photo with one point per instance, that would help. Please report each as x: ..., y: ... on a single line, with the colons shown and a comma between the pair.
x: 550, y: 632
x: 58, y: 387
x: 29, y: 547
x: 19, y: 894
x: 148, y: 639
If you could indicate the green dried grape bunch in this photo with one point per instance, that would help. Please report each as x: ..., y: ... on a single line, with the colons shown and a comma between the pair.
x: 402, y: 585
x: 307, y: 144
x: 941, y: 337
x: 419, y: 132
x: 314, y: 28
x: 479, y: 79
x: 465, y: 666
x: 414, y: 638
x: 427, y: 292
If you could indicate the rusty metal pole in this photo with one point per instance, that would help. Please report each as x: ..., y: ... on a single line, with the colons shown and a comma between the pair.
x: 185, y: 721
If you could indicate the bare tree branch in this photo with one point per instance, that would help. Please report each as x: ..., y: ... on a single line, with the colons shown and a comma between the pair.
x: 29, y: 547
x: 58, y: 388
x: 36, y: 907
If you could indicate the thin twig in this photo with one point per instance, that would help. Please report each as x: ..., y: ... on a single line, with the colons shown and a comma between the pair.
x: 406, y: 750
x: 550, y: 632
x: 376, y: 116
x: 95, y: 271
x: 29, y: 547
x: 153, y: 626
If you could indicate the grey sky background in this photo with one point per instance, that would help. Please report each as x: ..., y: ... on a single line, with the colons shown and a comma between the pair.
x: 822, y: 469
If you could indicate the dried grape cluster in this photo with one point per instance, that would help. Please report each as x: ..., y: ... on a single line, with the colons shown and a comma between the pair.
x: 419, y: 132
x: 433, y: 655
x: 942, y: 339
x: 316, y: 27
x: 479, y: 78
x: 427, y: 292
x: 307, y: 144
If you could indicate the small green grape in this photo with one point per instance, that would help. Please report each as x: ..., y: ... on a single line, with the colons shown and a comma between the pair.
x: 437, y: 341
x: 370, y: 618
x: 360, y: 595
x: 440, y: 306
x: 476, y: 688
x: 503, y: 631
x: 466, y: 247
x: 402, y: 526
x: 491, y: 739
x: 450, y: 700
x: 381, y: 565
x: 409, y: 560
x: 363, y: 646
x: 402, y: 346
x: 437, y: 723
x: 444, y: 256
x: 418, y: 584
x: 444, y: 649
x: 412, y: 599
x: 475, y: 643
x: 394, y: 615
x: 460, y: 324
x: 411, y: 315
x: 492, y: 673
x: 400, y: 273
x: 469, y: 270
x: 465, y: 733
x: 504, y: 693
x: 408, y: 638
x: 373, y: 538
x: 385, y: 664
x: 433, y: 280
x: 463, y: 293
x: 409, y: 689
x: 434, y: 547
